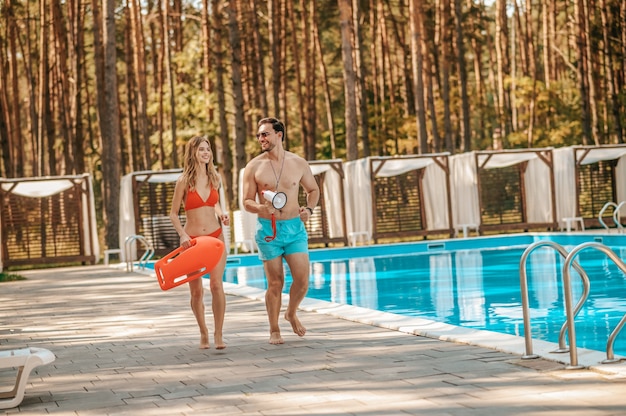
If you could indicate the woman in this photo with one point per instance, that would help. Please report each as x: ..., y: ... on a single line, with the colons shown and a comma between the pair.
x: 198, y: 188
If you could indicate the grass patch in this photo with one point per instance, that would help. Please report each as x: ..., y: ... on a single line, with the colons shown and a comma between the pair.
x: 10, y: 277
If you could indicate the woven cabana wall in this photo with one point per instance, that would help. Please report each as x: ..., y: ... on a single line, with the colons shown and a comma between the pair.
x: 600, y: 177
x: 399, y: 196
x: 48, y: 220
x: 510, y: 186
x: 328, y: 222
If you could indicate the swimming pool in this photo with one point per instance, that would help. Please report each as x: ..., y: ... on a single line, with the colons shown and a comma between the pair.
x: 470, y: 283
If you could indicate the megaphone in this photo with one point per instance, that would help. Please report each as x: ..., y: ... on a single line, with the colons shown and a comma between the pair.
x: 278, y: 199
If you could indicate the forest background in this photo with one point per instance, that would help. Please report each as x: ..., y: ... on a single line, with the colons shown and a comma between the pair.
x: 111, y: 87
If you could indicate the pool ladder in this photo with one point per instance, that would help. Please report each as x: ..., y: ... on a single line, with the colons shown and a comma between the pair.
x: 616, y: 208
x: 145, y: 257
x: 570, y: 311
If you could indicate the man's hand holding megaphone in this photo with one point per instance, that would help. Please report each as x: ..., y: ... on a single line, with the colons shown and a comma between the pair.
x: 277, y: 199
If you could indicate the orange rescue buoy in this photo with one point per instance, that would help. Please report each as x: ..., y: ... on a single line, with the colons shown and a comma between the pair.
x: 185, y: 264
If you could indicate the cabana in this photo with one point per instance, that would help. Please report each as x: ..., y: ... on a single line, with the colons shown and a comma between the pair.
x: 588, y: 177
x: 399, y: 197
x: 48, y: 220
x: 145, y: 202
x: 505, y: 190
x: 328, y: 222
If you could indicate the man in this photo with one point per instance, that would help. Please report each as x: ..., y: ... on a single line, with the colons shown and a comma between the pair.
x: 280, y: 230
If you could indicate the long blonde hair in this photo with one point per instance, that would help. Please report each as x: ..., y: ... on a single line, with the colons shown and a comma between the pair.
x: 190, y: 164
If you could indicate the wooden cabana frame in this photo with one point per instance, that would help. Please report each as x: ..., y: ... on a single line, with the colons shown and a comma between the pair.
x: 152, y: 193
x: 318, y: 227
x: 599, y: 164
x: 47, y: 221
x: 483, y: 159
x: 413, y: 198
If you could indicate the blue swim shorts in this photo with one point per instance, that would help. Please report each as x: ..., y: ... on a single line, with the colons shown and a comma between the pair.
x: 291, y: 238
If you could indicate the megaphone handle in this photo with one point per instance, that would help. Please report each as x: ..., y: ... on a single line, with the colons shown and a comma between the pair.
x: 271, y: 237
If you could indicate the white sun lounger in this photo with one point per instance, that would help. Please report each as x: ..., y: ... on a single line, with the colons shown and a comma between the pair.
x: 24, y: 360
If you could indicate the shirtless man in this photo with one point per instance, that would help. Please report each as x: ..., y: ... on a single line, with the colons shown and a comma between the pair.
x: 280, y: 232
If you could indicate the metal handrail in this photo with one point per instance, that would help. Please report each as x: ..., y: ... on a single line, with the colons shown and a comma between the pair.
x: 604, y: 208
x: 616, y: 216
x: 568, y: 300
x: 146, y: 256
x: 525, y: 302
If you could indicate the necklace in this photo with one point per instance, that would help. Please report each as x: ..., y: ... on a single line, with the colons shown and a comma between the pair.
x: 280, y: 173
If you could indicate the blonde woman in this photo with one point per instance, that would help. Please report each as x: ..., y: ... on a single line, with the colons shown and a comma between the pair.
x: 198, y: 189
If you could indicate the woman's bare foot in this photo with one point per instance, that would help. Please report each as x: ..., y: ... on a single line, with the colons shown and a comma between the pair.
x: 219, y: 342
x: 204, y: 342
x: 275, y: 338
x: 297, y: 326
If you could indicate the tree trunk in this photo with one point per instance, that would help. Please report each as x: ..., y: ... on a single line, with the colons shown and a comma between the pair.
x: 240, y: 122
x: 43, y: 96
x: 131, y: 150
x: 295, y: 52
x: 589, y: 62
x: 229, y: 175
x: 139, y: 61
x: 416, y: 16
x: 349, y: 78
x: 361, y: 75
x: 443, y: 38
x: 532, y: 68
x: 308, y: 34
x: 77, y: 52
x: 582, y: 67
x: 613, y: 98
x: 109, y: 128
x: 460, y: 50
x: 62, y: 84
x: 275, y: 40
x: 326, y: 88
x: 170, y: 73
x: 501, y: 64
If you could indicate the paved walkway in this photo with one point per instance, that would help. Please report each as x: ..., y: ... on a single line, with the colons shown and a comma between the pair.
x: 124, y: 347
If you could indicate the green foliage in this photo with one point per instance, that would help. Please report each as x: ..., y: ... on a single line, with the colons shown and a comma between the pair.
x: 10, y: 277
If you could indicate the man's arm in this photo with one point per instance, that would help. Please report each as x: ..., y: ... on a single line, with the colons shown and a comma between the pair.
x: 309, y: 184
x: 249, y: 190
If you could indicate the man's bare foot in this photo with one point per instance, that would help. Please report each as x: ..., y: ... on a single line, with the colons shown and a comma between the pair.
x: 204, y: 342
x: 275, y: 338
x: 219, y: 342
x: 297, y: 326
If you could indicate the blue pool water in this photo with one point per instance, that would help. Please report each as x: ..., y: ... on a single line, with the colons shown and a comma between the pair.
x: 473, y: 283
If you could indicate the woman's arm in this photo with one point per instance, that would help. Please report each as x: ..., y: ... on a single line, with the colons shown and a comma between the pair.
x: 177, y: 200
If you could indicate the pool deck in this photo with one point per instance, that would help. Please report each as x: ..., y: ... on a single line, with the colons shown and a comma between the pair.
x: 124, y: 347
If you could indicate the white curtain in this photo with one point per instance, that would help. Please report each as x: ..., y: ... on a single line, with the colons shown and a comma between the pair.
x: 565, y: 183
x: 464, y: 184
x: 359, y: 195
x: 436, y: 197
x: 620, y: 182
x: 127, y: 214
x: 336, y: 204
x: 538, y: 191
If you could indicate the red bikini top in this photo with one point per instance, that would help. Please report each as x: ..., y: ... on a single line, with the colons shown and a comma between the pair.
x: 194, y: 200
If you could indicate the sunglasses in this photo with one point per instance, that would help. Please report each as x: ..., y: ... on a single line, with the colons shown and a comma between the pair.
x: 263, y: 134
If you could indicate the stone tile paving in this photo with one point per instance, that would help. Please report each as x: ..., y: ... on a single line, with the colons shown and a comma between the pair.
x: 124, y: 347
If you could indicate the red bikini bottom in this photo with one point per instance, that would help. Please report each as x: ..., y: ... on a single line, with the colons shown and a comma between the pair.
x: 215, y: 234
